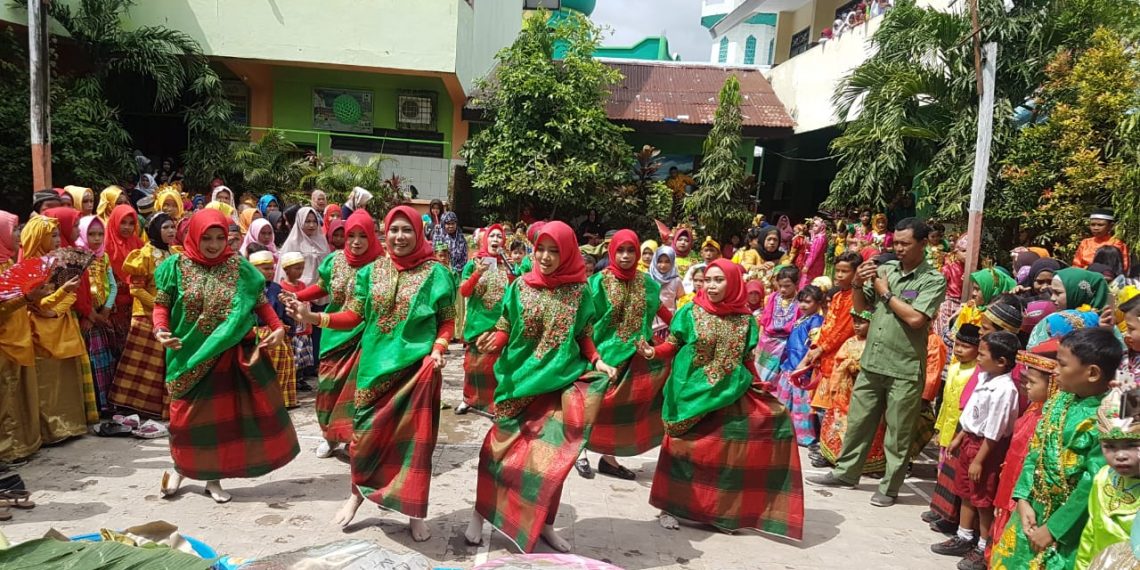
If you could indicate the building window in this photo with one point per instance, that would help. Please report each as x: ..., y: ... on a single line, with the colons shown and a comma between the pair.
x: 750, y: 51
x: 771, y: 51
x: 723, y: 56
x: 801, y: 41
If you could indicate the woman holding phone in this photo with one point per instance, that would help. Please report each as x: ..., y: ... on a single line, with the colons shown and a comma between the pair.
x: 484, y: 282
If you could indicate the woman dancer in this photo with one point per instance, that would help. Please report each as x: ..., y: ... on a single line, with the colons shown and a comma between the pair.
x: 139, y: 379
x: 542, y: 412
x: 407, y: 301
x: 484, y: 282
x: 227, y: 415
x: 717, y: 421
x: 626, y: 302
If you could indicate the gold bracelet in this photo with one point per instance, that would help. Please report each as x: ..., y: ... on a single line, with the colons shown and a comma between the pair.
x: 440, y: 342
x: 325, y: 318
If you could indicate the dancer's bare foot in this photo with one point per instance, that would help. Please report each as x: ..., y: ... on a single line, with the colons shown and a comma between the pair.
x: 348, y: 510
x: 419, y: 530
x: 556, y: 542
x: 474, y: 533
x: 214, y: 491
x: 170, y: 483
x: 668, y: 522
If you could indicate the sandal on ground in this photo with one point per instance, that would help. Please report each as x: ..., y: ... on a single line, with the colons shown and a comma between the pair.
x: 17, y: 499
x: 150, y: 429
x: 5, y: 514
x: 132, y: 421
x: 615, y: 470
x: 112, y: 429
x: 584, y: 469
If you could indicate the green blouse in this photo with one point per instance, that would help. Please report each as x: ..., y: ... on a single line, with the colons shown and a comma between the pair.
x: 542, y: 354
x: 709, y: 369
x: 211, y: 310
x: 625, y: 313
x: 1112, y: 507
x: 338, y: 279
x: 402, y: 312
x: 486, y: 304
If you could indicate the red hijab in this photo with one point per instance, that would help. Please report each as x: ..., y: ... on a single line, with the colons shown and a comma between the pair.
x: 735, y: 300
x: 361, y: 220
x: 532, y: 232
x: 677, y: 235
x: 328, y: 216
x: 118, y: 247
x: 200, y: 222
x: 623, y: 237
x: 331, y: 228
x: 751, y: 287
x: 422, y: 251
x: 485, y: 241
x: 68, y: 223
x: 571, y: 268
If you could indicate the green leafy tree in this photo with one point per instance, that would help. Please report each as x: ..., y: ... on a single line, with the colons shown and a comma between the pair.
x: 718, y: 203
x: 549, y: 141
x: 338, y: 175
x: 269, y: 165
x: 1080, y: 156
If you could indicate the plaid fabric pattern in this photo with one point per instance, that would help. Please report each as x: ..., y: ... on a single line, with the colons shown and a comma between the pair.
x: 121, y: 323
x: 629, y: 416
x: 395, y: 439
x: 281, y: 357
x: 768, y: 355
x: 103, y: 354
x: 738, y: 467
x: 944, y: 501
x: 798, y: 402
x: 479, y: 379
x: 303, y: 351
x: 526, y: 458
x: 234, y: 424
x: 89, y: 399
x: 833, y: 430
x: 140, y: 377
x: 336, y: 392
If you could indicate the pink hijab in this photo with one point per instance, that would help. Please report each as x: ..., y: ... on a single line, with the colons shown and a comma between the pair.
x: 8, y: 245
x: 85, y: 224
x: 251, y: 237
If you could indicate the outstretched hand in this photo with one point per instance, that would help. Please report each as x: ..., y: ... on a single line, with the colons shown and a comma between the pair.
x: 646, y: 350
x: 168, y: 340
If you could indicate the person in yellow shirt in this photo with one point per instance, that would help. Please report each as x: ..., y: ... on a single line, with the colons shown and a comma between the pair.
x: 20, y: 404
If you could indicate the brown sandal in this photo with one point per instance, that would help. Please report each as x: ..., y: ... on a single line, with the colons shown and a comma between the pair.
x: 17, y: 499
x: 5, y: 514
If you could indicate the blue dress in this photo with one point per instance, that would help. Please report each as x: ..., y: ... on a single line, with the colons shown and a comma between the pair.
x: 796, y: 399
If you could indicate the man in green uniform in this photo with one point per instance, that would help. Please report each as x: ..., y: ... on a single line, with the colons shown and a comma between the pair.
x: 903, y: 296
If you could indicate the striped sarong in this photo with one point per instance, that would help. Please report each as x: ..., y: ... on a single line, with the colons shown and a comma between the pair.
x: 104, y: 355
x: 479, y: 379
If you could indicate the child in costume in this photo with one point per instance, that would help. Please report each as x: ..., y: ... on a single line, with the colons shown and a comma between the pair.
x: 780, y: 314
x: 796, y: 399
x: 834, y: 425
x: 300, y: 334
x: 944, y: 503
x: 979, y: 448
x: 281, y: 356
x: 1056, y: 480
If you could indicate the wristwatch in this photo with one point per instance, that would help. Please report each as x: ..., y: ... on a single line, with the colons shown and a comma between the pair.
x: 887, y: 297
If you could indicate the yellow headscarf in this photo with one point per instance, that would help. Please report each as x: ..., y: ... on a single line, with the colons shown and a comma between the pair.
x: 245, y: 219
x: 652, y: 247
x: 77, y: 194
x: 35, y: 238
x: 1126, y: 294
x: 222, y: 207
x: 107, y: 201
x: 169, y: 193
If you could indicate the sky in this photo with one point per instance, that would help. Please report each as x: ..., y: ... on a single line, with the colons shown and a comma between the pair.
x: 632, y: 20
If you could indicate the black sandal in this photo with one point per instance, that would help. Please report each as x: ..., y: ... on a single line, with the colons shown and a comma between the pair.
x: 615, y: 470
x: 584, y: 469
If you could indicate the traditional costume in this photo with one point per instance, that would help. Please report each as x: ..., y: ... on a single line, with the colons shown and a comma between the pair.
x: 795, y: 398
x: 281, y: 355
x: 729, y: 458
x: 484, y: 292
x: 688, y: 257
x: 19, y: 389
x: 227, y: 416
x: 833, y: 428
x: 1086, y: 293
x: 672, y: 291
x: 1086, y: 251
x: 776, y: 323
x: 837, y: 327
x: 815, y: 256
x: 542, y: 413
x: 96, y: 296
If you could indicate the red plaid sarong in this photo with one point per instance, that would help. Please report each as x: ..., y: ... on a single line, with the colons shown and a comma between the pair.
x: 336, y: 391
x: 140, y: 377
x: 479, y: 379
x: 104, y: 355
x: 738, y: 467
x: 281, y: 357
x: 233, y: 422
x: 395, y: 438
x: 526, y: 458
x: 944, y: 501
x: 629, y: 417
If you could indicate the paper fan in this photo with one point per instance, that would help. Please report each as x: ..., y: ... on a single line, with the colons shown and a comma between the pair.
x: 22, y: 278
x: 69, y: 262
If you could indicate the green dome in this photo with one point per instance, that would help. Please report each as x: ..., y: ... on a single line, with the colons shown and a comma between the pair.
x: 584, y: 6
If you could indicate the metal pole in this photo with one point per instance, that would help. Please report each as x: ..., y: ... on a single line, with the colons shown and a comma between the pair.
x: 981, y: 163
x: 40, y: 99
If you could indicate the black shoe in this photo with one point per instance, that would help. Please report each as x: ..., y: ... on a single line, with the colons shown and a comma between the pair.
x: 930, y: 516
x: 954, y: 546
x: 944, y: 526
x: 615, y: 470
x: 303, y: 386
x: 974, y: 560
x: 584, y: 469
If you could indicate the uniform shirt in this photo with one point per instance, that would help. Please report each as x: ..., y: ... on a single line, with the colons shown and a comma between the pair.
x: 894, y: 348
x: 992, y: 410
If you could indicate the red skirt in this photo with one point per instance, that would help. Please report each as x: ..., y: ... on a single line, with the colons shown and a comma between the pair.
x: 629, y: 417
x: 336, y: 392
x: 979, y: 493
x: 479, y: 379
x: 140, y: 377
x: 738, y: 467
x: 395, y: 438
x: 526, y: 457
x: 233, y: 422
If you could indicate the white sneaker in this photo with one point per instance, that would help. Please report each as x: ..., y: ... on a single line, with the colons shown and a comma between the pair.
x: 324, y: 450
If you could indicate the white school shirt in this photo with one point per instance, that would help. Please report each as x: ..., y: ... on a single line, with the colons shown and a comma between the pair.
x: 992, y: 409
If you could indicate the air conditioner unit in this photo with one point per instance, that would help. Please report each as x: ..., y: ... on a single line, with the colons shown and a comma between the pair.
x: 415, y: 110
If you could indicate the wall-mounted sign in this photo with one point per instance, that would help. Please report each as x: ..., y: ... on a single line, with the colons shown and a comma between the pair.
x: 344, y: 110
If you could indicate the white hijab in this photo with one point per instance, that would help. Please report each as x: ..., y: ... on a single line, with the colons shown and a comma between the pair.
x: 314, y: 247
x: 358, y: 198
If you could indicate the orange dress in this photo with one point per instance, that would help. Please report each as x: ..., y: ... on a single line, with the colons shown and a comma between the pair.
x: 834, y: 426
x: 838, y: 326
x: 1087, y: 250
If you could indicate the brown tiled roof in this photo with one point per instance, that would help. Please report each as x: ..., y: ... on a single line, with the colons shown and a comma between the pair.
x: 660, y: 92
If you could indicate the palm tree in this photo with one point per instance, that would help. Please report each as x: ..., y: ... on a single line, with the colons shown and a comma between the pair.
x: 269, y: 166
x: 169, y: 59
x: 338, y: 175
